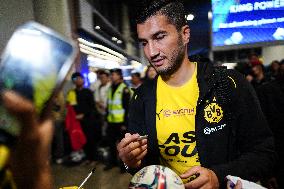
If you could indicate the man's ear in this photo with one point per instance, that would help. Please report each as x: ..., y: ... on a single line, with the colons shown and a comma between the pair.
x: 185, y: 34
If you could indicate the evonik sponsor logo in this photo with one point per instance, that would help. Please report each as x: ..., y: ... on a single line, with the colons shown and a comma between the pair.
x: 208, y: 130
x: 179, y: 112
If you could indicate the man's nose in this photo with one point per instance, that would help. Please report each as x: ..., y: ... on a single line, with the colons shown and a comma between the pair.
x: 153, y: 50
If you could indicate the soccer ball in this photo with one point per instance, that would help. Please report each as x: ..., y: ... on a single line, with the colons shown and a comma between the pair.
x: 156, y: 177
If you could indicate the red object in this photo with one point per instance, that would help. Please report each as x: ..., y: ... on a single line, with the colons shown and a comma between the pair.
x: 73, y: 127
x: 255, y: 62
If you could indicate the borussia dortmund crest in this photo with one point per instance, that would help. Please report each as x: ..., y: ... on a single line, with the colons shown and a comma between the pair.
x: 213, y: 113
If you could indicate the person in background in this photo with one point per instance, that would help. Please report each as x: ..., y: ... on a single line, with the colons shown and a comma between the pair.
x: 97, y: 82
x: 101, y: 97
x: 254, y: 60
x: 117, y: 111
x: 136, y: 80
x: 271, y: 97
x: 82, y: 100
x: 101, y: 91
x: 274, y: 69
x: 203, y: 122
x: 150, y: 72
x: 258, y: 76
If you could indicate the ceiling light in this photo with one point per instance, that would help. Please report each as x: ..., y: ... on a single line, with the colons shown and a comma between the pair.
x: 85, y: 42
x: 97, y: 27
x: 190, y: 17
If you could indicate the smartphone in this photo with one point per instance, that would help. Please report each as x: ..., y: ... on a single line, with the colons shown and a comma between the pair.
x: 34, y: 64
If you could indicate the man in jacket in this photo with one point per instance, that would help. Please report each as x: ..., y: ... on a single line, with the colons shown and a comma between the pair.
x: 82, y: 100
x: 200, y: 121
x: 117, y: 111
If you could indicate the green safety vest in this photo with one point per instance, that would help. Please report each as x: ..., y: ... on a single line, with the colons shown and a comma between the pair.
x: 115, y: 108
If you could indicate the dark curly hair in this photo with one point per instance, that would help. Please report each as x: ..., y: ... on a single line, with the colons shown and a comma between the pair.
x: 172, y: 9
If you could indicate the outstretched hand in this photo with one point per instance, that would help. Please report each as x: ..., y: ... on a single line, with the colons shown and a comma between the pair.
x: 29, y: 158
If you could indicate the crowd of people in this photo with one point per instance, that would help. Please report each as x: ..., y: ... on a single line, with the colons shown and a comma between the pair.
x: 92, y: 118
x: 268, y: 82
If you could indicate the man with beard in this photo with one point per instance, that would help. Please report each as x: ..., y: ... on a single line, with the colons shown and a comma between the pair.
x: 202, y: 122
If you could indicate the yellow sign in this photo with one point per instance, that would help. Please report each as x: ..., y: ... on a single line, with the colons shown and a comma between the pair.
x: 213, y: 113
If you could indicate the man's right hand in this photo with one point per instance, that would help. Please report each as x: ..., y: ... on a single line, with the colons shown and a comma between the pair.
x: 131, y: 151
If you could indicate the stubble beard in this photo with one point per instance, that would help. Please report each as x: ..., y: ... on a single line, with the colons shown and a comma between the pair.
x: 175, y: 60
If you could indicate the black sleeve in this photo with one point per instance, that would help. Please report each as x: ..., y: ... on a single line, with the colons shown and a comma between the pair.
x: 136, y: 123
x: 136, y: 114
x: 254, y: 139
x: 125, y: 103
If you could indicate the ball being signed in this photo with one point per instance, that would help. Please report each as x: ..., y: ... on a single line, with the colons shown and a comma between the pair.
x: 156, y: 177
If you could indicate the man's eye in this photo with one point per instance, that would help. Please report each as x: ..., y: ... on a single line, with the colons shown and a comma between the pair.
x: 160, y: 36
x: 143, y: 44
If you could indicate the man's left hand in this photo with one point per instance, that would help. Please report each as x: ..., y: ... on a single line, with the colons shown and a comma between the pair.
x: 206, y: 179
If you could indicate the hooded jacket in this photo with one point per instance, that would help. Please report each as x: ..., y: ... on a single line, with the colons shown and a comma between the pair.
x: 237, y: 143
